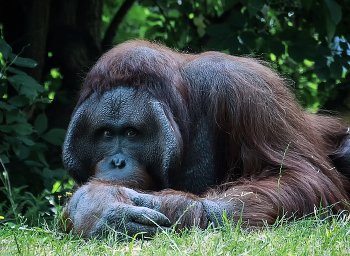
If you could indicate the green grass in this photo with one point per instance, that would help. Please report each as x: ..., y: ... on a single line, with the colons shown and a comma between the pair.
x: 303, y: 237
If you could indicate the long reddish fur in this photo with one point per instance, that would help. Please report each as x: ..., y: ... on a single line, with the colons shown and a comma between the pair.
x: 256, y: 135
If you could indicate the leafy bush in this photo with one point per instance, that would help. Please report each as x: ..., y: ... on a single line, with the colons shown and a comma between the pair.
x: 29, y: 150
x: 306, y: 41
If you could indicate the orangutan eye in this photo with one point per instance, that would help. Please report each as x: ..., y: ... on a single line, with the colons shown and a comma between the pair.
x: 107, y: 133
x: 131, y: 132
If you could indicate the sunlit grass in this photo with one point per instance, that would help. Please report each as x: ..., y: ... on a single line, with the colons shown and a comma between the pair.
x: 311, y: 236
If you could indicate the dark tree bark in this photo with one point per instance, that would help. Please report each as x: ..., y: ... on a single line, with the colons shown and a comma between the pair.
x: 75, y: 43
x: 24, y: 27
x: 71, y: 31
x: 38, y: 24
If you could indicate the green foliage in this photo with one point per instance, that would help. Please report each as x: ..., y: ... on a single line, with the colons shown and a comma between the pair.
x: 306, y: 41
x: 25, y: 137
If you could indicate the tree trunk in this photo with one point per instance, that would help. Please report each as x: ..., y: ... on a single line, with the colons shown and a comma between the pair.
x: 24, y: 28
x: 75, y: 43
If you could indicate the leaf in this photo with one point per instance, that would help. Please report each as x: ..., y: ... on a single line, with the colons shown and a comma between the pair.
x: 254, y: 6
x: 47, y: 173
x: 28, y: 81
x: 43, y: 100
x: 40, y: 123
x: 16, y: 71
x: 12, y: 116
x: 60, y: 174
x: 5, y: 49
x: 22, y: 62
x: 42, y: 159
x: 26, y: 141
x: 153, y: 30
x: 22, y: 128
x: 3, y: 148
x: 29, y: 87
x: 15, y: 144
x: 173, y: 14
x: 1, y: 116
x: 330, y: 23
x: 24, y: 152
x: 335, y: 10
x: 3, y: 89
x: 331, y: 27
x: 55, y: 136
x: 48, y: 178
x: 198, y: 21
x: 30, y: 93
x: 7, y: 107
x: 13, y: 83
x: 19, y: 101
x: 4, y: 159
x: 33, y: 163
x: 6, y: 128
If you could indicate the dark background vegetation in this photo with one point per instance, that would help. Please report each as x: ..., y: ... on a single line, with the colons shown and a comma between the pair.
x: 47, y: 46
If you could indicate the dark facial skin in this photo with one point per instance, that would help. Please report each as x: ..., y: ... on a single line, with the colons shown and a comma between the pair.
x: 119, y: 137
